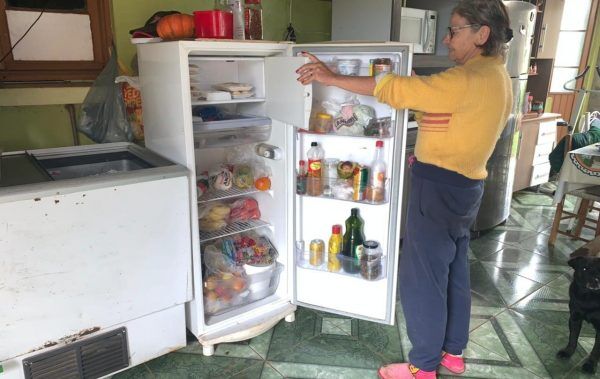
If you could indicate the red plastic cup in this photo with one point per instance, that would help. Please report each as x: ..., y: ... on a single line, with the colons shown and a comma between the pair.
x: 213, y: 24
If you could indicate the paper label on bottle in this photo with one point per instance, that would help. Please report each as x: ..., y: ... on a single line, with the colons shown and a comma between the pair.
x: 314, y: 168
x: 359, y: 251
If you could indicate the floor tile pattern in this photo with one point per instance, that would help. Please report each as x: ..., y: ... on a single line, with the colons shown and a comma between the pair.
x: 518, y: 320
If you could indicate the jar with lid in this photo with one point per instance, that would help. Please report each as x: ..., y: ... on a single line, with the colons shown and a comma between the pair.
x: 253, y: 20
x: 322, y: 123
x: 370, y: 260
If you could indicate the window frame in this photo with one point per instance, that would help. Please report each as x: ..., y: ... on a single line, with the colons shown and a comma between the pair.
x: 51, y: 72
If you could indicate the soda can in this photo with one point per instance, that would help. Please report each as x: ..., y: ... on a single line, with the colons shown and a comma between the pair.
x: 317, y: 252
x: 359, y: 183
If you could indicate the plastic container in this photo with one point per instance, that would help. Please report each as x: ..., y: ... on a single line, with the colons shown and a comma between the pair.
x: 232, y: 131
x: 322, y: 123
x: 213, y: 24
x: 262, y: 280
x: 348, y: 66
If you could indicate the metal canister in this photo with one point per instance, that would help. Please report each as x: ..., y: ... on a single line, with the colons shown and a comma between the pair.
x: 359, y: 182
x: 317, y: 252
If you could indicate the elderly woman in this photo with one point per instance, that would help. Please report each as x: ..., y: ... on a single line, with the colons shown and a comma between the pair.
x: 462, y: 113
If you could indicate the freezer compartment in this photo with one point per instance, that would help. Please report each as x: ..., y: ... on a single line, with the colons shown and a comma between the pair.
x: 216, y: 128
x: 371, y: 270
x: 226, y: 79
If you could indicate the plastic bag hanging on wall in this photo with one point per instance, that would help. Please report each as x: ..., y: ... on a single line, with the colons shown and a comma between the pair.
x: 103, y: 117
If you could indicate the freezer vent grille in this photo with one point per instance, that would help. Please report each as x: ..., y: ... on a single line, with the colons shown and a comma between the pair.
x: 237, y: 227
x: 88, y: 359
x: 218, y: 195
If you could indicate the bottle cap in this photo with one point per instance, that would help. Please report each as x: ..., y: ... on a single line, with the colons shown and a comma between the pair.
x: 354, y: 211
x: 379, y: 144
x: 325, y: 116
x: 336, y: 229
x: 313, y: 144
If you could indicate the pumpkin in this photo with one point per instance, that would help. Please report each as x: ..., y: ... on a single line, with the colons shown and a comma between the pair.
x: 175, y: 26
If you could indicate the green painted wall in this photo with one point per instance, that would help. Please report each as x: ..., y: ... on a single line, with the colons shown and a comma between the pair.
x: 30, y: 127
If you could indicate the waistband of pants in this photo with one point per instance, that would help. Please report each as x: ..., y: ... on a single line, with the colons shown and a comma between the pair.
x: 441, y: 175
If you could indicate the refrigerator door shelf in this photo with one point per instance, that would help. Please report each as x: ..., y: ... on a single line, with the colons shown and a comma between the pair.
x: 372, y: 270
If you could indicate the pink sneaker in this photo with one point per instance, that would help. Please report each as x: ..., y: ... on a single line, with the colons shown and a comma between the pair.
x: 453, y: 363
x: 404, y: 371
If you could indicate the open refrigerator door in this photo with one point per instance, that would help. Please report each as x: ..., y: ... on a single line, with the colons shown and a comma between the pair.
x: 358, y: 280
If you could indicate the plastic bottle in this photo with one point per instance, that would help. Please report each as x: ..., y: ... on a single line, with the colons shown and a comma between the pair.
x: 375, y: 191
x: 253, y: 20
x: 352, y: 245
x: 301, y: 178
x: 237, y: 7
x: 334, y: 248
x: 314, y: 186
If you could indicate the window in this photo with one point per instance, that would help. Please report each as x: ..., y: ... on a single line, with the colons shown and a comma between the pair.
x: 69, y: 40
x: 571, y: 39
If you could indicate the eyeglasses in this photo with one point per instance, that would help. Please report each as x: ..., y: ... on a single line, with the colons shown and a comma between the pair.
x: 453, y: 29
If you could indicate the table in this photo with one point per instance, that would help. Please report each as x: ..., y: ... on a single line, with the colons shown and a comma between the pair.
x: 580, y: 169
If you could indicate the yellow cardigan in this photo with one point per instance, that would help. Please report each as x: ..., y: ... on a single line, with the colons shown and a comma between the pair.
x: 463, y: 110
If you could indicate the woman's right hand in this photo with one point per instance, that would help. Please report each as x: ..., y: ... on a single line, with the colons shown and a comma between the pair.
x: 315, y: 71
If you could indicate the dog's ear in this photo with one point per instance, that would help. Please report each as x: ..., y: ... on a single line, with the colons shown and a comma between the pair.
x: 577, y: 262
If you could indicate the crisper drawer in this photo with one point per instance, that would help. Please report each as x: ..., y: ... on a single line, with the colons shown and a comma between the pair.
x: 541, y: 153
x: 233, y: 130
x: 546, y: 132
x: 540, y: 174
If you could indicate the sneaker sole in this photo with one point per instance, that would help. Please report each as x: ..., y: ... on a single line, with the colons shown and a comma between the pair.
x: 446, y: 371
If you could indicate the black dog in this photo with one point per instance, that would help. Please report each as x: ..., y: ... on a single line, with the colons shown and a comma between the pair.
x: 584, y: 304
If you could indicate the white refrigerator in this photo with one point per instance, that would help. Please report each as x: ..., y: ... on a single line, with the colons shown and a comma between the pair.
x: 172, y: 74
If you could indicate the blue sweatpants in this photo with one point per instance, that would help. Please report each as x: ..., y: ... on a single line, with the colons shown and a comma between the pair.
x: 434, y: 267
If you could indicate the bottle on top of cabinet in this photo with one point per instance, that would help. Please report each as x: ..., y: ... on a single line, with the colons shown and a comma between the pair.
x: 237, y: 7
x: 253, y: 20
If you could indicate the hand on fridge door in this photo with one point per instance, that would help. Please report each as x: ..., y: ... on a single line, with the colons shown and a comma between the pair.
x: 317, y: 71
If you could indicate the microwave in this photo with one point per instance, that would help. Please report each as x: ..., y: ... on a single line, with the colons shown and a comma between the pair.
x: 416, y: 26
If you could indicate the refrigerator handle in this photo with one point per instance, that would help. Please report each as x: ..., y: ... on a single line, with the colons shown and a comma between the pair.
x: 543, y: 37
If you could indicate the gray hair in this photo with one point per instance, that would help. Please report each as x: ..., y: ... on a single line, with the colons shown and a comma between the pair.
x: 490, y: 13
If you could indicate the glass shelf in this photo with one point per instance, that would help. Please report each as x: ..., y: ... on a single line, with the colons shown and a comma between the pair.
x: 233, y: 228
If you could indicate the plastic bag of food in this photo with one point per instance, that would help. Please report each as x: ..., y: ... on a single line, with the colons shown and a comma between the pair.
x: 246, y: 156
x: 243, y: 209
x: 243, y: 176
x: 350, y: 117
x: 220, y: 178
x: 213, y: 216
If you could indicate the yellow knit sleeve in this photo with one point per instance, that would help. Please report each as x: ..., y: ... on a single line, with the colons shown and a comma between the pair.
x: 440, y: 93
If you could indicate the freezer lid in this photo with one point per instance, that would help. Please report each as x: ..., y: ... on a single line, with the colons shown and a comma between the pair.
x: 287, y: 99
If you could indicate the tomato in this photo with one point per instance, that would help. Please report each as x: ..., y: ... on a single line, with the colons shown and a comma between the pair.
x: 263, y: 183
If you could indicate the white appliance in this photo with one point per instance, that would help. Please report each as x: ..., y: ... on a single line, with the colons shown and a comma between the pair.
x: 417, y: 26
x: 96, y: 269
x: 384, y: 20
x: 497, y: 194
x: 167, y: 72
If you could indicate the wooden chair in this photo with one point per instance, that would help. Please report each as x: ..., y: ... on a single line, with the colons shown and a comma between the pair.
x: 587, y: 197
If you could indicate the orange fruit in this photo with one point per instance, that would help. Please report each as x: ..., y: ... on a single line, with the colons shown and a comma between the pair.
x: 263, y: 183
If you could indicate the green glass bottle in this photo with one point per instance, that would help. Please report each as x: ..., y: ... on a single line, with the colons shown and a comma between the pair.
x: 353, y: 242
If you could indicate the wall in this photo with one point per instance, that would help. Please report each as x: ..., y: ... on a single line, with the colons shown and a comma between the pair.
x: 40, y: 126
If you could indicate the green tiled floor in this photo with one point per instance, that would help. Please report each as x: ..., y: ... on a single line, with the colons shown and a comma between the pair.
x: 518, y: 321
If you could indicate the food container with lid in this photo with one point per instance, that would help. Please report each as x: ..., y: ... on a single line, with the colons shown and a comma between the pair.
x: 348, y: 66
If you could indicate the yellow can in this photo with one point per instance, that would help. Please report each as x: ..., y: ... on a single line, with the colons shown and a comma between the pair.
x: 317, y: 251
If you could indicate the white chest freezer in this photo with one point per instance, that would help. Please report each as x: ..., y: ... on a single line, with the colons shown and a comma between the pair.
x: 95, y: 266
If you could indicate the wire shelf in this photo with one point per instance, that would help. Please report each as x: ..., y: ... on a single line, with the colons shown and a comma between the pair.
x: 234, y: 228
x: 226, y: 194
